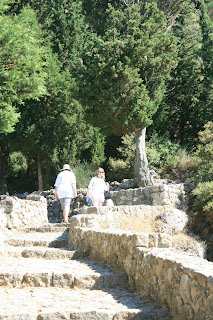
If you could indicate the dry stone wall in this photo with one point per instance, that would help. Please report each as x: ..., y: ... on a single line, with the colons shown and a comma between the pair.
x: 163, y: 194
x: 177, y: 280
x: 15, y: 213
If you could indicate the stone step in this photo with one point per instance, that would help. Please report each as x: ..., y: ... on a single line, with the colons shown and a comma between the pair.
x: 45, y: 253
x: 64, y: 273
x: 57, y: 304
x: 50, y: 227
x: 48, y: 239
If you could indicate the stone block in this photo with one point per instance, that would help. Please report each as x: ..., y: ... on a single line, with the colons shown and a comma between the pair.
x: 164, y: 187
x: 153, y: 240
x: 103, y: 210
x: 175, y: 219
x: 155, y: 196
x: 164, y: 195
x: 89, y: 210
x: 155, y: 188
x: 185, y: 289
x: 164, y: 240
x: 142, y: 240
x: 156, y: 202
x: 109, y: 203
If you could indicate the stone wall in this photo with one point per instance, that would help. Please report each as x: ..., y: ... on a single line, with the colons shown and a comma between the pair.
x: 167, y: 218
x: 16, y: 213
x: 179, y: 281
x: 164, y: 194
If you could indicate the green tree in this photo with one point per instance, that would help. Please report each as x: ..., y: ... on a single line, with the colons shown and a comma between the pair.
x: 206, y: 99
x: 52, y: 131
x: 96, y: 14
x: 205, y: 153
x: 123, y: 74
x: 23, y: 59
x: 187, y: 105
x: 181, y: 103
x: 204, y: 179
x: 22, y: 62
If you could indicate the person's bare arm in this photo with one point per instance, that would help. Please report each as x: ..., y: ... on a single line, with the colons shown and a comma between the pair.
x: 56, y: 194
x: 74, y: 189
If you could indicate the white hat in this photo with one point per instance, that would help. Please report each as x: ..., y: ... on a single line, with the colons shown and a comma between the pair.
x: 66, y: 167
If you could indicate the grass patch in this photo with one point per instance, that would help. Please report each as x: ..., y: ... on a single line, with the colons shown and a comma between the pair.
x: 131, y: 224
x: 182, y: 241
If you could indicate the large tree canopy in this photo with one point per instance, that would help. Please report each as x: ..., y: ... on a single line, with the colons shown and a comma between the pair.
x: 123, y: 72
x: 52, y: 130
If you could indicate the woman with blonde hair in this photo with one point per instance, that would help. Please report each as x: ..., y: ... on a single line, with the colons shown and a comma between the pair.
x: 96, y: 188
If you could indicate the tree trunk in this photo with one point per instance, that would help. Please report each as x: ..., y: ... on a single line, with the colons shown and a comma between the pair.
x: 142, y: 174
x: 4, y: 156
x: 40, y: 180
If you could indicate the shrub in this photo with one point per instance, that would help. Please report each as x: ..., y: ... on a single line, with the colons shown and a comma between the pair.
x: 83, y: 173
x: 17, y: 164
x: 19, y: 179
x: 180, y: 163
x: 204, y: 200
x: 205, y: 153
x: 158, y: 149
x: 119, y: 170
x: 122, y: 168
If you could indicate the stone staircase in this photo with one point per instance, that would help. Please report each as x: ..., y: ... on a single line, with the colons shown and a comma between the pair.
x: 41, y: 279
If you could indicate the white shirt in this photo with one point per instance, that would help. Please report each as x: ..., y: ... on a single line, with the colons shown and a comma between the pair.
x: 64, y: 182
x: 97, y: 187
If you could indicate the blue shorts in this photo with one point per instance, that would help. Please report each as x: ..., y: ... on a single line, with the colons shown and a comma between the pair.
x: 65, y: 202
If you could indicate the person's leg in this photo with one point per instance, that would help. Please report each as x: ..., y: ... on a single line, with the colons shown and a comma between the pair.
x: 66, y: 213
x: 62, y: 204
x: 95, y: 203
x: 66, y: 208
x: 100, y: 202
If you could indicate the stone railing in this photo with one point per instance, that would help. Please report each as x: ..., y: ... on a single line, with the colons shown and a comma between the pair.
x: 15, y: 213
x: 181, y: 282
x: 164, y: 194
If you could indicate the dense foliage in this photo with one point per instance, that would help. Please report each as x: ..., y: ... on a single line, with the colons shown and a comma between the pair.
x: 73, y: 73
x: 23, y: 60
x: 123, y: 71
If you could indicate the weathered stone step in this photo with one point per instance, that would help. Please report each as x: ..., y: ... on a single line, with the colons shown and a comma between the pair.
x: 57, y: 304
x: 50, y: 227
x: 48, y: 239
x: 61, y: 273
x: 45, y: 253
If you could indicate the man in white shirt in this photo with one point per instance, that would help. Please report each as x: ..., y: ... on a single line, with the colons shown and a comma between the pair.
x: 65, y: 189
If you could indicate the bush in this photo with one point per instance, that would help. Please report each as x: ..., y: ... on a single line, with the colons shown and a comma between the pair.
x: 158, y: 149
x: 83, y: 173
x: 205, y: 153
x: 123, y: 168
x: 17, y: 164
x: 19, y: 178
x: 119, y: 170
x: 181, y: 163
x: 204, y: 200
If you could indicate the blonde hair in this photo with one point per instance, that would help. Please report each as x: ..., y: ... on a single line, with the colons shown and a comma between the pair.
x: 103, y: 175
